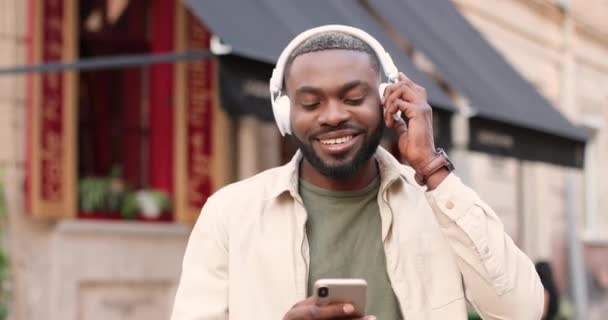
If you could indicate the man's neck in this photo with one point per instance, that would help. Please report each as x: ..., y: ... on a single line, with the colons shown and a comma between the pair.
x: 359, y: 180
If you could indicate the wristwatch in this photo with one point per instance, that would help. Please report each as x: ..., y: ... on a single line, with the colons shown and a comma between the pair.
x: 440, y: 160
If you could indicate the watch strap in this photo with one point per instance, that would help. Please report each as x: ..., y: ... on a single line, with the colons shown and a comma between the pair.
x: 440, y: 160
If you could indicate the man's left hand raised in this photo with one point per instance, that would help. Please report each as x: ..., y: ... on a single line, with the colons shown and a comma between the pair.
x: 416, y: 143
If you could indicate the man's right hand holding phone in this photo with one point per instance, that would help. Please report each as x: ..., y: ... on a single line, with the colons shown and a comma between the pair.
x: 310, y: 310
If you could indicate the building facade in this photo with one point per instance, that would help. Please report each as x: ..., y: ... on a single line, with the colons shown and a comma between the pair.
x: 561, y: 47
x: 70, y: 263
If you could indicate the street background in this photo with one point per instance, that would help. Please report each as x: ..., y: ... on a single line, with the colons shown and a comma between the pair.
x: 118, y: 118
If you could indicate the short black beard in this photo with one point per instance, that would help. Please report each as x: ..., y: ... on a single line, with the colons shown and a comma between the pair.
x: 346, y: 170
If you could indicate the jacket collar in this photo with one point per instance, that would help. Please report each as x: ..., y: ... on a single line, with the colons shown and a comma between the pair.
x: 390, y: 171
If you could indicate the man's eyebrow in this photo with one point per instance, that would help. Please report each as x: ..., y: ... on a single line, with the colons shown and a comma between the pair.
x: 353, y: 84
x: 342, y: 90
x: 308, y: 89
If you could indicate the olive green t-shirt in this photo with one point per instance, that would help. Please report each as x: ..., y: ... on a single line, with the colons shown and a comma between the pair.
x: 345, y: 239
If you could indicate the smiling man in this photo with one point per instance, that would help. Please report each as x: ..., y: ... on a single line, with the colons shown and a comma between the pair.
x: 335, y: 117
x: 345, y: 208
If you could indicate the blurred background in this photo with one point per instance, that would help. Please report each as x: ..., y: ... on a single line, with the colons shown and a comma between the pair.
x: 118, y: 118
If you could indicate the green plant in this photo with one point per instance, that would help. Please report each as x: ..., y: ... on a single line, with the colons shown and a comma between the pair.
x: 161, y: 199
x: 130, y: 207
x: 109, y: 194
x: 100, y: 194
x: 148, y: 202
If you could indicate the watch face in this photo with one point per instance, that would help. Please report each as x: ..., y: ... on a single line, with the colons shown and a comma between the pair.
x: 449, y: 165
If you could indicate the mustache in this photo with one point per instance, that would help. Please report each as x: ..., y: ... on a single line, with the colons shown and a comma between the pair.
x: 345, y: 126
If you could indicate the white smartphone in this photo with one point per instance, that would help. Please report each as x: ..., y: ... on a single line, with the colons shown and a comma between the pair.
x: 342, y: 290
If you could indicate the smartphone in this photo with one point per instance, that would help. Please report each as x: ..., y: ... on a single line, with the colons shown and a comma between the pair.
x: 352, y: 291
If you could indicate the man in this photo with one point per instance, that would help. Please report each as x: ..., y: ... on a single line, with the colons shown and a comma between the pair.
x: 346, y: 208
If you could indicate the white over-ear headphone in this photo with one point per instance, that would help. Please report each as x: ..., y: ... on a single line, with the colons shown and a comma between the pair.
x: 280, y: 102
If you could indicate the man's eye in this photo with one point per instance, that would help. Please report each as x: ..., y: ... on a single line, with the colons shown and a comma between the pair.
x: 355, y: 101
x: 310, y: 106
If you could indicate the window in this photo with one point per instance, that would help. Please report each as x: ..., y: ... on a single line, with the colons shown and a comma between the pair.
x: 137, y: 142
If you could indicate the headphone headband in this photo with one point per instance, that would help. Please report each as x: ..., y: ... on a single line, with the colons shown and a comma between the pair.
x: 281, y: 103
x: 276, y: 81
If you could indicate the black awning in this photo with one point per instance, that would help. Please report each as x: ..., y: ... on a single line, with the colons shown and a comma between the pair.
x: 502, y: 139
x: 261, y: 29
x: 247, y: 26
x: 473, y: 66
x: 244, y: 87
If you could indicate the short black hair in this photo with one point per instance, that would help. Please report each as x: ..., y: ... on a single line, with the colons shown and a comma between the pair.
x: 331, y: 40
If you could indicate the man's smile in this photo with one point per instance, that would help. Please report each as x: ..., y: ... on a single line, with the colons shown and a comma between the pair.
x: 337, y: 142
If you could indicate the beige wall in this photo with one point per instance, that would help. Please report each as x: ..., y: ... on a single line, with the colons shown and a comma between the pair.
x: 29, y: 241
x: 497, y: 180
x: 566, y: 58
x: 12, y: 93
x: 564, y: 54
x: 258, y: 146
x: 12, y: 88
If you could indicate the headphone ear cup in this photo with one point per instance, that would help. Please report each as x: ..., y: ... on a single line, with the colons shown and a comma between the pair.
x: 281, y: 109
x: 381, y: 88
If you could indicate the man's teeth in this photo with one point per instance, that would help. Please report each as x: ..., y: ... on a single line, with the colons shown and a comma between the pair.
x: 336, y: 141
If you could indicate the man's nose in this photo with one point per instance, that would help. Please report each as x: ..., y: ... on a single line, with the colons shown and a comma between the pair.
x: 334, y: 114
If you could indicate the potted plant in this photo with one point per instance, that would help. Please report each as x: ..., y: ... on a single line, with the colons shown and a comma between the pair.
x: 146, y: 205
x: 110, y: 198
x: 98, y: 197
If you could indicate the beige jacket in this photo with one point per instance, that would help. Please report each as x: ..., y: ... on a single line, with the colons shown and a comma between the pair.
x: 247, y: 257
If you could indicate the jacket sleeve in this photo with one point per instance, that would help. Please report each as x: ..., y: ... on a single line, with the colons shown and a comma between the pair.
x: 202, y: 293
x: 500, y: 281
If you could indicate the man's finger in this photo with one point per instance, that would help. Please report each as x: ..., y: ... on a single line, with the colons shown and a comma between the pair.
x: 418, y: 89
x: 397, y: 94
x: 309, y: 301
x: 394, y: 86
x: 388, y: 90
x: 330, y: 311
x: 400, y: 127
x: 405, y: 92
x: 397, y: 105
x: 389, y: 112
